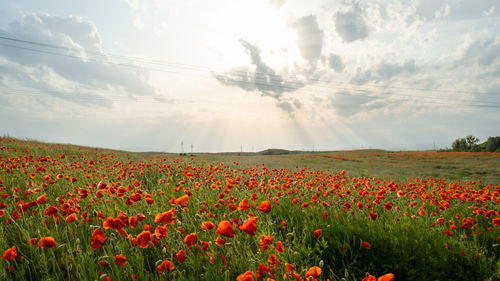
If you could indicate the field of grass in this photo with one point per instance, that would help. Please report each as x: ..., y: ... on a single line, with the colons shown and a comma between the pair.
x: 76, y: 213
x: 466, y: 166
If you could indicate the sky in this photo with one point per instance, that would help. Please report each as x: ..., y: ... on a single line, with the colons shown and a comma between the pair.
x: 226, y: 75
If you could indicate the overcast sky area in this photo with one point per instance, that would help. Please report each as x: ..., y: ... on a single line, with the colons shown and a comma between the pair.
x: 217, y: 75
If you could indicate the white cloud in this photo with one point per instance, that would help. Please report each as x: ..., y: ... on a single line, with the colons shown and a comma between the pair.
x: 79, y: 66
x: 350, y: 24
x: 309, y: 37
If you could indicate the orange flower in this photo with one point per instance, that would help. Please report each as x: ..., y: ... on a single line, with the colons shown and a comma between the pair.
x: 225, y: 229
x: 369, y: 278
x: 243, y: 206
x: 32, y: 242
x: 166, y: 217
x: 191, y: 239
x: 120, y: 260
x: 280, y: 247
x: 143, y: 239
x: 365, y: 245
x: 166, y: 264
x: 289, y: 267
x: 206, y: 225
x: 250, y: 226
x: 264, y: 242
x: 496, y: 221
x: 71, y: 218
x: 10, y: 254
x: 182, y: 201
x: 47, y: 242
x: 181, y: 256
x: 160, y: 232
x: 98, y: 239
x: 313, y: 272
x: 220, y: 242
x: 246, y: 276
x: 265, y: 206
x: 41, y: 199
x: 111, y: 223
x: 386, y: 277
x: 317, y: 233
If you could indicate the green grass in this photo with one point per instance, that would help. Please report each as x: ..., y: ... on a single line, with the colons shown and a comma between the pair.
x: 403, y: 241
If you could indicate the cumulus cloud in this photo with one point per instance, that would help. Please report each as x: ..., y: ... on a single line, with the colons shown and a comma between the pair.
x: 350, y: 25
x: 389, y: 70
x: 481, y: 52
x: 335, y: 62
x: 78, y: 66
x: 260, y: 77
x: 346, y: 103
x: 384, y: 71
x: 309, y: 37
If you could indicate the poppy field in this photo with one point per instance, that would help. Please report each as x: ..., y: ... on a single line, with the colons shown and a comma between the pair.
x: 77, y: 213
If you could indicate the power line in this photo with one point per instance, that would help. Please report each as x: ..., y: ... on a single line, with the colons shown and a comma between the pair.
x: 370, y: 94
x: 151, y: 100
x: 202, y: 68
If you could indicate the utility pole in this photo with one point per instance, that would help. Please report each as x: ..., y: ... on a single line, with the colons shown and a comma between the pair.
x: 182, y: 147
x: 241, y: 148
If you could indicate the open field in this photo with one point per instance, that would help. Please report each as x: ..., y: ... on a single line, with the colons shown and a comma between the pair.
x: 76, y: 213
x: 378, y: 163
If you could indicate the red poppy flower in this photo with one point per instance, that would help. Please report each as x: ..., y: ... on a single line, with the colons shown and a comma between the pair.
x: 71, y: 218
x: 160, y: 232
x: 206, y: 225
x: 111, y: 223
x: 243, y: 206
x: 32, y: 242
x: 365, y: 245
x: 317, y: 233
x: 289, y: 267
x: 373, y: 216
x: 246, y: 276
x: 166, y: 217
x: 191, y: 239
x: 120, y: 260
x: 220, y: 242
x: 182, y: 201
x: 41, y: 199
x: 386, y: 277
x: 47, y: 242
x: 225, y: 229
x: 143, y: 239
x: 165, y: 265
x: 10, y: 254
x: 103, y: 263
x: 98, y: 239
x: 388, y: 206
x: 264, y: 242
x: 280, y: 247
x: 369, y: 278
x: 181, y: 255
x: 265, y: 206
x: 496, y: 221
x: 313, y: 272
x: 250, y: 226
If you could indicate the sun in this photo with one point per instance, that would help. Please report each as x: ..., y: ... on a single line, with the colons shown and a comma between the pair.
x: 257, y: 22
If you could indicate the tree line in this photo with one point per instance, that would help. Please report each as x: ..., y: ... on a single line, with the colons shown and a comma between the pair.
x: 471, y: 143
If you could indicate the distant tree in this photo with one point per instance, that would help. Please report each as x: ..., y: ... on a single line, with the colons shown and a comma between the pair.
x: 471, y: 141
x: 493, y: 144
x: 459, y: 145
